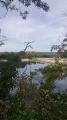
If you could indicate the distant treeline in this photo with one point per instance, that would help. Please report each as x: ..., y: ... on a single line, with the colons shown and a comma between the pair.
x: 22, y: 54
x: 11, y: 56
x: 17, y: 56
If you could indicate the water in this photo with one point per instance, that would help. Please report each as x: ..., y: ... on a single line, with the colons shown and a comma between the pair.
x: 60, y: 85
x: 33, y: 68
x: 37, y: 78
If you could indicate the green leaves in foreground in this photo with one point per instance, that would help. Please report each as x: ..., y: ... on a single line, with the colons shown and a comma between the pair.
x: 53, y: 72
x: 42, y: 105
x: 30, y: 102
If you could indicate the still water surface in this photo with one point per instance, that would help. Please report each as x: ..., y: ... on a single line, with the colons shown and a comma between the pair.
x: 60, y: 85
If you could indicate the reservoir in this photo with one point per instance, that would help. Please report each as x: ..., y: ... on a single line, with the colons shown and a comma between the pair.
x: 60, y: 85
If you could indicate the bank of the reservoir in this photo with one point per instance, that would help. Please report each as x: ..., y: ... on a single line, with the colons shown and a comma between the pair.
x: 45, y: 60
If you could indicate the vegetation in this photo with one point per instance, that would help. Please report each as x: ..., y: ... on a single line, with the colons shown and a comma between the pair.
x: 17, y: 56
x: 61, y: 49
x: 30, y: 102
x: 18, y: 5
x: 41, y: 105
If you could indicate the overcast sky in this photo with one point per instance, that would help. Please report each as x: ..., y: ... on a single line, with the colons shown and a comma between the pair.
x: 42, y: 27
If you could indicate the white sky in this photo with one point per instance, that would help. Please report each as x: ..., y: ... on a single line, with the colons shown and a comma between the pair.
x: 42, y: 27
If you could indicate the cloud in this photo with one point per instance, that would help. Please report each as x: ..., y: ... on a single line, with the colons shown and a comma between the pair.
x: 44, y: 28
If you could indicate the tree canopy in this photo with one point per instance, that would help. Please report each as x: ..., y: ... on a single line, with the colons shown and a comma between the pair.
x: 18, y: 5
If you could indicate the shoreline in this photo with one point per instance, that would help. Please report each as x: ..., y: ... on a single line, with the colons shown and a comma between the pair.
x: 45, y: 60
x: 42, y: 60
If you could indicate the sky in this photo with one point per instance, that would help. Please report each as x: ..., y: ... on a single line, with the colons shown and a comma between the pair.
x: 44, y: 28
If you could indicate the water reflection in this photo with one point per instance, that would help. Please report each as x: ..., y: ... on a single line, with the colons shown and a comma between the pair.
x: 60, y: 85
x: 37, y: 78
x: 33, y: 68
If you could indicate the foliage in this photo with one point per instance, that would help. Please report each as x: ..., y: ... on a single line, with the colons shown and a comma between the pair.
x: 61, y: 49
x: 53, y: 72
x: 18, y: 5
x: 30, y: 102
x: 38, y: 104
x: 63, y: 54
x: 30, y: 55
x: 46, y: 56
x: 7, y: 74
x: 11, y: 56
x: 8, y: 81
